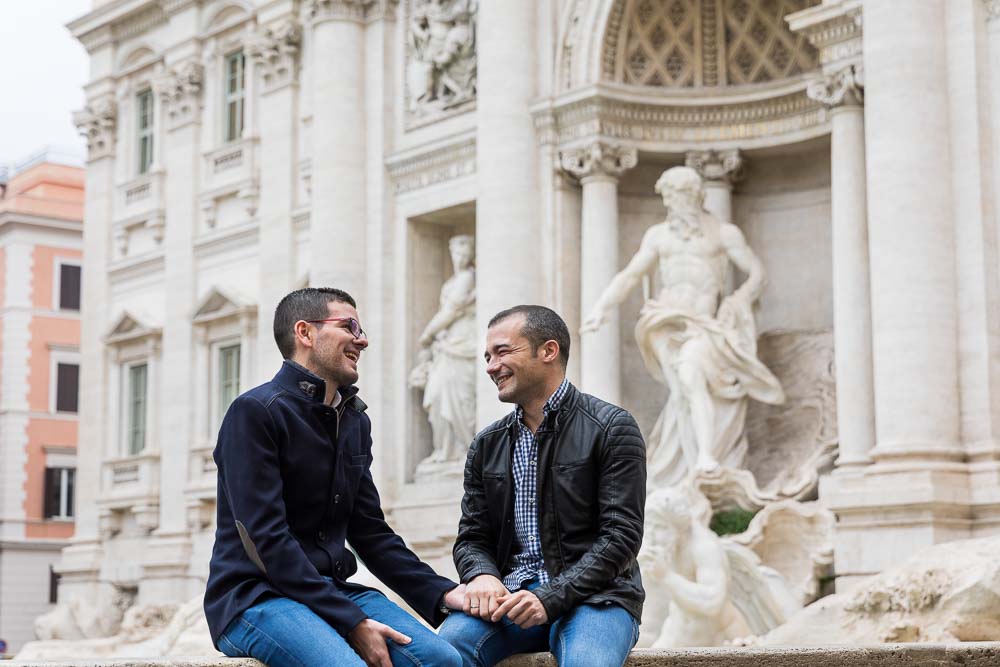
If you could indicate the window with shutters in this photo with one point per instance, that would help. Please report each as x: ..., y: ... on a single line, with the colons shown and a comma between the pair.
x: 136, y: 408
x: 69, y: 286
x: 67, y: 387
x: 233, y: 88
x: 228, y: 378
x: 144, y: 127
x: 59, y: 493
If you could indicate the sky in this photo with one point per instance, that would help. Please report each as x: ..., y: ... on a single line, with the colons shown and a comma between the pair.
x: 42, y: 72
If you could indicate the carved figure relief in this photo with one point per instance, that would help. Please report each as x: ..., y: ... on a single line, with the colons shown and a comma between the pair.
x: 446, y: 365
x: 441, y: 68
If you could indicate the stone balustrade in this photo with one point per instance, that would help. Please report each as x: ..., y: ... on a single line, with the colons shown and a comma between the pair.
x: 970, y: 654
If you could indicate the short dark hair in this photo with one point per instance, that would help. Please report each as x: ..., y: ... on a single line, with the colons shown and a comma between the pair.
x: 541, y: 324
x: 308, y: 303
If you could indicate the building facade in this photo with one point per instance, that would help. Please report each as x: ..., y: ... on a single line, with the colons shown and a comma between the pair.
x: 41, y: 213
x: 240, y: 149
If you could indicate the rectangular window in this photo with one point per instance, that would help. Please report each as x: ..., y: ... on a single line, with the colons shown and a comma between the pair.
x: 229, y: 377
x: 59, y: 483
x: 69, y: 287
x: 234, y: 94
x: 137, y: 377
x: 144, y: 135
x: 67, y: 387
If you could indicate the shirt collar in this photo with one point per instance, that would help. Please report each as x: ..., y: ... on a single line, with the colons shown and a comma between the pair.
x: 299, y: 380
x: 552, y: 404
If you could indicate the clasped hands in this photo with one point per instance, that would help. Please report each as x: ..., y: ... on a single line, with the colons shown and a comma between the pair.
x: 487, y: 598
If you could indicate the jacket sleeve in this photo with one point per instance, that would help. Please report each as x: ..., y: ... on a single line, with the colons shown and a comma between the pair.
x: 621, y: 497
x: 387, y: 557
x: 250, y: 476
x: 476, y: 541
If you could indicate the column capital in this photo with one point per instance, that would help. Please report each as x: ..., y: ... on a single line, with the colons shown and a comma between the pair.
x: 723, y: 166
x: 359, y: 11
x: 97, y: 123
x: 180, y: 93
x: 843, y: 88
x: 599, y: 160
x: 992, y: 10
x: 274, y: 51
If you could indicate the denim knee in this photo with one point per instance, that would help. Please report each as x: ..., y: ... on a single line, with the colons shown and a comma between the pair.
x: 441, y: 653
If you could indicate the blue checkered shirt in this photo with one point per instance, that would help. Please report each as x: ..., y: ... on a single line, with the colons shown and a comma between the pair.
x: 528, y: 563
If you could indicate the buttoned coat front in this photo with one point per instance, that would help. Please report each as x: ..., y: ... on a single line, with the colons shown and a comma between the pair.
x: 295, y: 486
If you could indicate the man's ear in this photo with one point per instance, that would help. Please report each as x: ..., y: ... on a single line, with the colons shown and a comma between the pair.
x: 304, y: 333
x: 550, y: 351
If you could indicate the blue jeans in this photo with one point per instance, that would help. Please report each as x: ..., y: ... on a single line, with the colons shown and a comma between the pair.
x: 284, y: 633
x: 589, y: 635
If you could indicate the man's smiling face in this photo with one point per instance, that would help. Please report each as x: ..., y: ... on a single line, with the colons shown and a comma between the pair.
x: 336, y: 351
x: 511, y: 363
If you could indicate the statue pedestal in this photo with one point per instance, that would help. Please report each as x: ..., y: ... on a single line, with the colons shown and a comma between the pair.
x: 436, y: 471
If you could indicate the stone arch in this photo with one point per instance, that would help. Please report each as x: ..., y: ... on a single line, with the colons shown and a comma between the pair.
x: 226, y: 16
x: 681, y: 43
x: 138, y: 57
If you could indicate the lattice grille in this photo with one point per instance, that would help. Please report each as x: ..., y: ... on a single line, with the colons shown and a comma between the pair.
x: 759, y: 45
x: 661, y: 48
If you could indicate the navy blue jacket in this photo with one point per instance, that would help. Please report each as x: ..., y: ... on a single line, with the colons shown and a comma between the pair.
x: 294, y: 485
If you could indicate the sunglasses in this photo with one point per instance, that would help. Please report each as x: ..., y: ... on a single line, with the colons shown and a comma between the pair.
x: 352, y: 325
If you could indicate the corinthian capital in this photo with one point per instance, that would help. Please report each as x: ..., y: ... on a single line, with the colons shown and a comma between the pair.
x: 319, y: 11
x: 598, y: 160
x: 726, y: 166
x: 96, y: 122
x: 844, y: 88
x: 274, y: 51
x: 180, y: 93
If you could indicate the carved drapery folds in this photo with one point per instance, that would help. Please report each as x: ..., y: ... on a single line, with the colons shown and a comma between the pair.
x: 599, y: 160
x: 843, y: 88
x: 441, y: 56
x: 712, y: 165
x: 180, y: 93
x: 97, y: 123
x: 274, y: 52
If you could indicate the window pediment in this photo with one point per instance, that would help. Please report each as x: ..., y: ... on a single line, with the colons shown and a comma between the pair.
x: 129, y: 328
x: 218, y: 305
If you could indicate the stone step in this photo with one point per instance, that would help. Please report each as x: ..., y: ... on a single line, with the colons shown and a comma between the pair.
x: 971, y: 654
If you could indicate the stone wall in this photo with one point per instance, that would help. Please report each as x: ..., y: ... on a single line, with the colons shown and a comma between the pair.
x: 981, y: 654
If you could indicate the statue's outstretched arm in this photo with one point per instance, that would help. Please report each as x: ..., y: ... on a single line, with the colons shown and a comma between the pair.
x: 743, y: 256
x: 451, y: 310
x: 622, y: 284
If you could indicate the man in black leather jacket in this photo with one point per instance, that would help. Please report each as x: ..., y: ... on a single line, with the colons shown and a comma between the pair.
x: 553, y: 510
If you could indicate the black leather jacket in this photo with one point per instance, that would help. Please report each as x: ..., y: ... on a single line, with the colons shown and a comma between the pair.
x: 591, y: 493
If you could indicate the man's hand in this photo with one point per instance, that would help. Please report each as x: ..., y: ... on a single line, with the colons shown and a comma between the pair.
x: 455, y: 598
x: 368, y: 639
x: 523, y: 608
x: 481, y: 596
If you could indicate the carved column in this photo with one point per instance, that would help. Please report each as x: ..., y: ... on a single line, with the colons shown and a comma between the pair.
x: 339, y: 213
x: 508, y: 253
x: 80, y: 562
x: 599, y: 166
x: 720, y: 170
x: 843, y: 93
x: 274, y: 54
x: 167, y: 555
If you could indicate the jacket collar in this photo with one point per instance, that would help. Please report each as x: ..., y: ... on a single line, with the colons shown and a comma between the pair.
x: 300, y: 381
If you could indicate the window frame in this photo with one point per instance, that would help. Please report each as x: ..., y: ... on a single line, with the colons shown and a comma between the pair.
x: 144, y: 161
x: 62, y: 355
x: 127, y: 407
x: 58, y: 265
x: 216, y: 379
x: 237, y: 98
x: 67, y: 493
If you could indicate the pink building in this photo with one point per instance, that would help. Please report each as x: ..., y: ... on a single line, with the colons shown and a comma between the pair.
x: 41, y: 213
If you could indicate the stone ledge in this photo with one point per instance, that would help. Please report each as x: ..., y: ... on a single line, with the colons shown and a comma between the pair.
x: 971, y: 654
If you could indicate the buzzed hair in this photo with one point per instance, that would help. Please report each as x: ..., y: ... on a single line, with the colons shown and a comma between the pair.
x: 541, y: 324
x: 308, y: 303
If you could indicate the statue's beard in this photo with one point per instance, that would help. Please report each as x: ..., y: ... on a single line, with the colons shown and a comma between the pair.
x: 684, y: 220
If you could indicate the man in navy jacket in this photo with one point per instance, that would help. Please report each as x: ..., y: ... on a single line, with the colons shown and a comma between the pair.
x: 294, y: 457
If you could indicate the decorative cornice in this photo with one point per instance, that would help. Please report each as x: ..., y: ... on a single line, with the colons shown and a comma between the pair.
x: 418, y: 169
x: 843, y: 88
x: 672, y: 124
x: 835, y: 29
x: 180, y: 93
x: 139, y: 23
x: 97, y: 123
x: 725, y: 166
x: 319, y: 11
x: 599, y: 161
x: 274, y: 52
